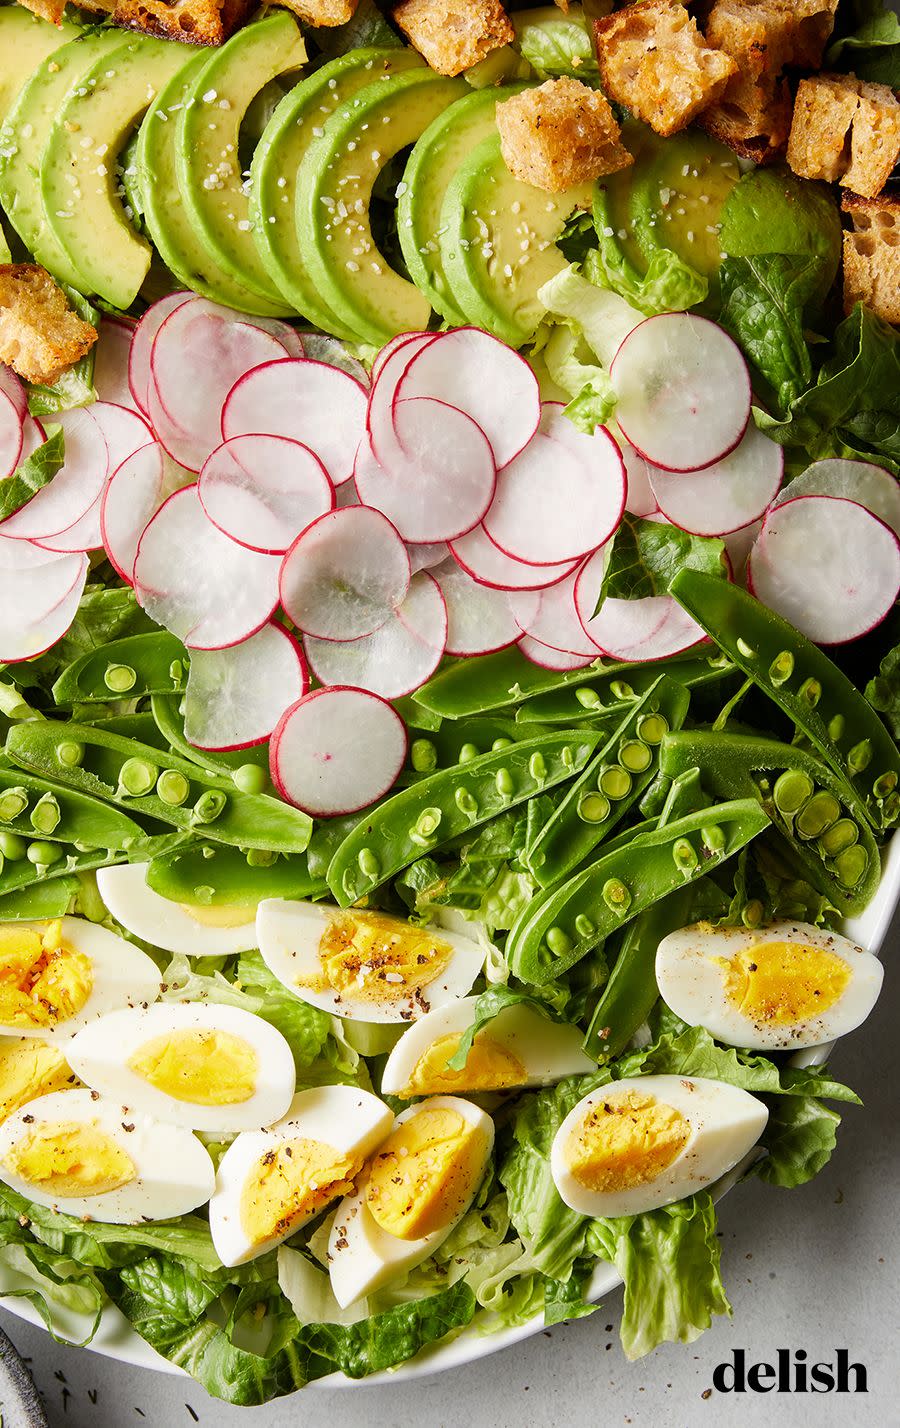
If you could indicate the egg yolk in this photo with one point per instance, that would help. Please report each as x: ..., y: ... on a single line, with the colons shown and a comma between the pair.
x: 425, y: 1173
x: 70, y: 1158
x: 489, y: 1067
x: 206, y: 1068
x: 626, y: 1141
x: 30, y: 1068
x: 43, y: 980
x: 375, y: 958
x: 228, y: 915
x: 292, y: 1183
x: 783, y: 982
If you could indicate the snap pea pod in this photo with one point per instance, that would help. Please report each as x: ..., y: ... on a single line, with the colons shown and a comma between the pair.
x: 170, y: 723
x: 49, y: 899
x: 561, y: 927
x: 33, y: 808
x: 45, y: 862
x: 613, y: 780
x: 416, y: 716
x: 142, y: 727
x: 608, y: 697
x: 806, y: 684
x: 125, y: 669
x: 457, y: 742
x: 631, y: 992
x: 486, y: 682
x: 819, y: 814
x: 448, y: 804
x: 212, y: 875
x: 157, y: 785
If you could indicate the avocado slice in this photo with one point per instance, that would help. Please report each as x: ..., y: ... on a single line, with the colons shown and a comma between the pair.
x: 24, y: 42
x: 448, y: 140
x: 208, y: 162
x: 677, y: 195
x: 78, y: 167
x: 24, y: 134
x: 176, y: 241
x: 297, y: 121
x: 498, y: 242
x: 334, y: 193
x: 772, y: 211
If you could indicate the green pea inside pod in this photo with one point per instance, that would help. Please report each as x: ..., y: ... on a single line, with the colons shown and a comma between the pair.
x: 137, y: 778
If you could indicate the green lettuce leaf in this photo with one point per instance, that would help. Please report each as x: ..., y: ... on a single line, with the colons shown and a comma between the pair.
x: 569, y: 363
x: 764, y: 302
x: 647, y: 555
x: 799, y: 1139
x: 556, y: 44
x: 34, y: 473
x: 320, y: 1054
x: 565, y: 1298
x: 489, y: 1005
x: 600, y: 315
x: 669, y: 1261
x: 883, y: 691
x: 368, y: 27
x: 668, y: 285
x: 872, y: 49
x: 46, y: 1278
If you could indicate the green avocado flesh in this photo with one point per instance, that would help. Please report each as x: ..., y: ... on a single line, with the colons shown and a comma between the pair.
x: 772, y: 211
x: 24, y: 42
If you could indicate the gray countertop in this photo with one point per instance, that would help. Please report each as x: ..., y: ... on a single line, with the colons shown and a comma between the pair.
x: 812, y: 1269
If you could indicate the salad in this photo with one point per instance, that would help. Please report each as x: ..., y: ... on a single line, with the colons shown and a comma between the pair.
x: 449, y: 563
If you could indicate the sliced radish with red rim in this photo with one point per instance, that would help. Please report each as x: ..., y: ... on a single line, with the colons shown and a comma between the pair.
x: 204, y: 587
x: 38, y: 600
x: 262, y: 491
x: 12, y: 386
x: 290, y: 338
x: 133, y: 495
x: 126, y: 432
x: 729, y: 494
x: 827, y: 565
x: 235, y: 697
x: 640, y: 500
x: 479, y: 619
x: 683, y: 391
x: 654, y: 627
x: 112, y: 357
x: 33, y: 436
x: 562, y: 497
x: 426, y: 557
x: 142, y: 340
x: 738, y: 545
x: 547, y: 658
x: 399, y: 656
x: 346, y: 575
x: 336, y: 751
x: 481, y: 558
x: 310, y: 402
x: 861, y: 481
x: 10, y: 436
x: 74, y: 488
x: 322, y: 347
x: 393, y: 346
x: 550, y: 617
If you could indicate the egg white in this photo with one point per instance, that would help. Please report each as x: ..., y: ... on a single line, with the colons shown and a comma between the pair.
x: 175, y: 1173
x: 167, y: 924
x: 124, y: 976
x: 691, y: 983
x: 725, y: 1123
x: 547, y: 1050
x: 362, y: 1256
x: 289, y: 934
x: 350, y: 1120
x: 99, y: 1055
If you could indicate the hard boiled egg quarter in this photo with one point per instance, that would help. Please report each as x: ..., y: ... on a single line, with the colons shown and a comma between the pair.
x: 101, y: 1160
x: 364, y: 965
x: 518, y: 1048
x: 771, y: 988
x: 30, y: 1068
x: 56, y: 977
x: 418, y: 1185
x: 192, y: 929
x: 195, y: 1064
x: 646, y: 1141
x: 272, y: 1182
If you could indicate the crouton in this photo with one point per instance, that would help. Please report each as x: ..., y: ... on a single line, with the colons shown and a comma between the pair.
x: 322, y: 13
x: 845, y: 130
x: 198, y: 22
x: 753, y: 115
x: 653, y: 60
x: 40, y: 335
x: 452, y: 35
x: 872, y: 255
x: 559, y: 135
x: 813, y: 24
x: 51, y: 10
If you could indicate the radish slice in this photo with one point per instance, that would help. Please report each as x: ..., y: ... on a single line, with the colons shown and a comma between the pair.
x: 74, y: 488
x: 389, y: 348
x: 345, y: 575
x: 426, y: 557
x: 683, y: 391
x: 562, y: 497
x: 390, y: 365
x: 235, y: 697
x: 654, y: 627
x: 112, y: 358
x: 479, y: 620
x: 291, y: 340
x: 38, y: 600
x: 738, y: 545
x: 126, y: 432
x: 479, y: 557
x: 322, y: 347
x: 10, y: 436
x: 727, y: 495
x: 336, y: 751
x: 860, y: 481
x: 827, y: 565
x: 640, y: 500
x: 436, y: 477
x: 547, y: 658
x: 262, y: 491
x: 132, y: 497
x: 189, y: 577
x: 142, y: 340
x: 11, y: 385
x: 397, y: 658
x: 550, y: 617
x: 309, y: 402
x: 484, y: 378
x: 198, y: 354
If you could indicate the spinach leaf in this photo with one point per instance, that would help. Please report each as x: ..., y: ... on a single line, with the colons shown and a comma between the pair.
x: 34, y: 473
x: 647, y: 555
x: 489, y: 1005
x: 871, y: 50
x: 883, y: 692
x: 764, y: 299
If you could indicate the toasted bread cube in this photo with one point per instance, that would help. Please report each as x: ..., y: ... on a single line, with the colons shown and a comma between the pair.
x: 872, y: 255
x: 40, y: 335
x: 753, y: 115
x: 51, y: 10
x: 653, y: 60
x: 452, y: 35
x: 323, y: 13
x: 559, y: 135
x: 814, y: 21
x: 845, y: 130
